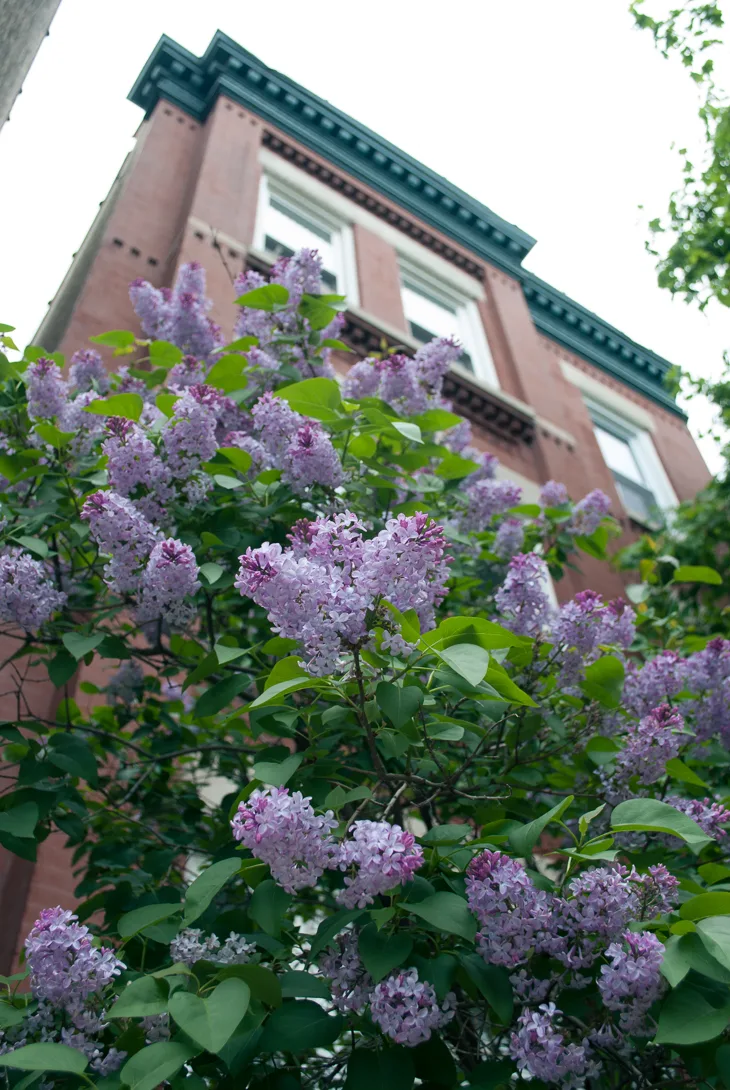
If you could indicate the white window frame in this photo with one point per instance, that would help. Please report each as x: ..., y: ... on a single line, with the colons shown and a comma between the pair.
x: 470, y: 328
x: 343, y: 245
x: 642, y: 448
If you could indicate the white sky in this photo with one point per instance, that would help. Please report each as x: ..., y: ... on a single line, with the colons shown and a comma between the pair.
x: 559, y: 116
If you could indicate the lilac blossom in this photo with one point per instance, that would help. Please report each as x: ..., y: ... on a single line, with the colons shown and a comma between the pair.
x: 311, y: 459
x: 179, y: 315
x: 509, y: 539
x: 522, y: 600
x: 589, y: 513
x: 648, y: 746
x: 169, y: 582
x: 87, y: 372
x: 487, y: 498
x: 276, y: 424
x: 65, y: 968
x: 707, y: 673
x: 657, y: 682
x: 190, y: 946
x: 27, y: 596
x: 88, y: 426
x: 190, y: 371
x: 512, y: 913
x: 321, y: 590
x: 133, y: 464
x: 709, y: 815
x: 487, y: 470
x: 127, y: 684
x: 409, y: 385
x: 151, y: 305
x: 189, y: 438
x: 434, y: 359
x: 632, y: 980
x: 540, y: 1049
x: 619, y: 624
x: 362, y: 380
x: 46, y: 388
x: 124, y: 534
x: 658, y: 891
x: 553, y: 494
x: 384, y: 856
x: 260, y: 457
x: 583, y: 625
x: 350, y: 982
x: 282, y: 829
x: 407, y: 1010
x: 458, y: 438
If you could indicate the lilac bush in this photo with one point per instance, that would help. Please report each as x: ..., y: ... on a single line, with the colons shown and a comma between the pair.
x: 353, y: 798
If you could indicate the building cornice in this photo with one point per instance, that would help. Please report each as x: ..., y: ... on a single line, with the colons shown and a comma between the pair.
x: 193, y: 84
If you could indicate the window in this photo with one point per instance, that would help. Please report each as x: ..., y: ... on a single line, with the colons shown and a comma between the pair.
x: 435, y: 309
x: 629, y: 453
x: 288, y: 221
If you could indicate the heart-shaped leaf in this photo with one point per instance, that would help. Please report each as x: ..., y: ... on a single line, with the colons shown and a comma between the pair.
x: 399, y: 703
x: 211, y: 1021
x: 155, y: 1064
x: 382, y: 953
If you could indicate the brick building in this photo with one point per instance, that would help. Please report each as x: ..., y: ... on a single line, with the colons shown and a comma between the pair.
x: 234, y: 165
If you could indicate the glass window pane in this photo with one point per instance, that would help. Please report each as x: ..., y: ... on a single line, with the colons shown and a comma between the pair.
x: 288, y: 230
x: 618, y: 455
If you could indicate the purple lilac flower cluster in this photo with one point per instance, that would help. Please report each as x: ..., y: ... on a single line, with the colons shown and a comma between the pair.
x: 589, y: 512
x: 519, y: 921
x: 178, y: 315
x: 27, y: 596
x: 522, y: 600
x: 486, y: 499
x: 47, y: 390
x: 300, y: 274
x: 87, y: 372
x: 649, y: 745
x: 710, y: 816
x: 283, y: 830
x: 322, y: 589
x: 287, y: 441
x: 169, y: 583
x: 406, y: 1009
x: 632, y: 982
x: 384, y: 856
x: 539, y: 1048
x: 351, y: 984
x: 409, y: 385
x: 135, y: 469
x: 190, y: 946
x: 583, y: 625
x: 65, y: 968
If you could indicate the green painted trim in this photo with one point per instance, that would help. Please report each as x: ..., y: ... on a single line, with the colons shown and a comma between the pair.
x: 193, y: 84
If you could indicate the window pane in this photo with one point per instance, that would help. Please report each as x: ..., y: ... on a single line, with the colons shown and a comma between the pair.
x: 618, y: 455
x: 288, y: 230
x: 429, y: 317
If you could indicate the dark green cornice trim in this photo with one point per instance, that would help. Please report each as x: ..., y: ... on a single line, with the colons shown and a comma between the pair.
x: 193, y: 84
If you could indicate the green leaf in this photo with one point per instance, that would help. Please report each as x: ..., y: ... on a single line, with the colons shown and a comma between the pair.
x: 228, y: 374
x: 131, y: 923
x: 271, y: 695
x: 434, y: 1063
x: 49, y: 433
x: 62, y: 668
x: 155, y: 1064
x: 20, y: 821
x: 468, y: 660
x: 297, y: 984
x: 493, y: 982
x: 453, y: 467
x: 143, y: 997
x: 268, y: 905
x: 73, y: 755
x: 127, y: 405
x: 201, y: 892
x: 692, y: 573
x: 408, y: 430
x: 46, y: 1057
x: 317, y: 312
x: 212, y: 572
x: 491, y: 1075
x: 211, y: 1021
x: 678, y: 770
x: 164, y: 354
x: 277, y: 774
x: 219, y: 695
x: 241, y: 459
x: 604, y: 681
x: 298, y: 1026
x: 687, y: 1018
x: 382, y: 953
x: 10, y: 1016
x: 715, y: 935
x: 650, y: 815
x: 330, y: 928
x: 398, y: 703
x: 263, y: 983
x: 524, y: 839
x: 267, y: 297
x: 706, y: 904
x: 166, y: 403
x: 78, y: 645
x: 389, y: 1069
x: 115, y: 338
x: 585, y: 819
x: 315, y: 397
x: 500, y: 680
x: 448, y: 912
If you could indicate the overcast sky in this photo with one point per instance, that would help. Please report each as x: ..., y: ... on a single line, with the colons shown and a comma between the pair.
x: 558, y: 115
